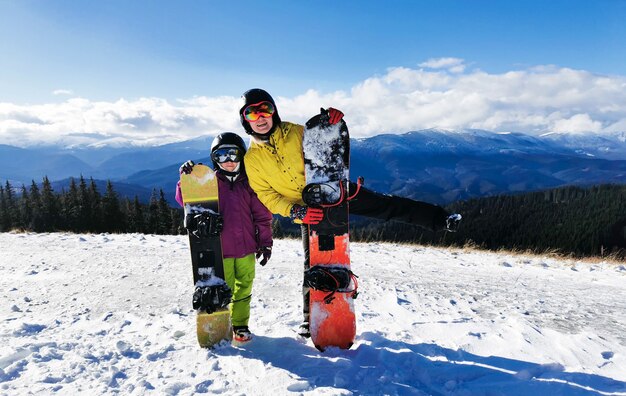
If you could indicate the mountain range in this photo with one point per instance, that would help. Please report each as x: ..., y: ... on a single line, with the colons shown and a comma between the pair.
x: 433, y: 165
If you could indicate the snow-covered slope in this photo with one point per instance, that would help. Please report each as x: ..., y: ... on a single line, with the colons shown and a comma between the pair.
x: 608, y: 146
x: 111, y: 314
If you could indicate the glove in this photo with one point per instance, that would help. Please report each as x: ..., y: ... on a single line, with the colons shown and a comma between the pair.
x: 306, y: 214
x: 452, y: 222
x: 334, y: 116
x: 266, y: 252
x: 186, y: 168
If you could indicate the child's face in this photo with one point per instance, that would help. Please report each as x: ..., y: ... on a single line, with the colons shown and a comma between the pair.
x: 229, y: 166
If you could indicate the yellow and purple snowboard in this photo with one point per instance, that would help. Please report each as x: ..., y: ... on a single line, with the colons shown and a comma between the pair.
x: 211, y: 294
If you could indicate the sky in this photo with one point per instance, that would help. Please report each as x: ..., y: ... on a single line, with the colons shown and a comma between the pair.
x: 151, y: 72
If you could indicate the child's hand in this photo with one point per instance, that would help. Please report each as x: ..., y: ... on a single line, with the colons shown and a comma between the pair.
x: 266, y: 252
x: 186, y: 168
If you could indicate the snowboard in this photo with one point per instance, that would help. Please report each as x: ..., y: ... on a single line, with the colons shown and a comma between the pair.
x: 326, y: 151
x: 212, y: 295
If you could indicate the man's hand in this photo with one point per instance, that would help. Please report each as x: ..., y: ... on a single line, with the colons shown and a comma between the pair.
x: 334, y: 116
x: 306, y: 214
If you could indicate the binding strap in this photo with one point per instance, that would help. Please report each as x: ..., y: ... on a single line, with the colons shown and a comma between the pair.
x: 342, y: 191
x: 332, y: 280
x: 211, y: 298
x: 359, y: 183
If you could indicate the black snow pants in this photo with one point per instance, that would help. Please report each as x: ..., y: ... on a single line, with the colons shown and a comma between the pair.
x: 385, y: 207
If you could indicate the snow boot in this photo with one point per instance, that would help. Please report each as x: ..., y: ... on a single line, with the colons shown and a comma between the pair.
x: 304, y: 331
x: 241, y: 333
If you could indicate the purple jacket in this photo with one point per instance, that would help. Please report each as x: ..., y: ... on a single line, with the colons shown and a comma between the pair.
x: 247, y: 223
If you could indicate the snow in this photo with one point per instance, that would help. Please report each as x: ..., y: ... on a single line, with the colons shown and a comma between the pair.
x: 111, y: 314
x: 317, y: 142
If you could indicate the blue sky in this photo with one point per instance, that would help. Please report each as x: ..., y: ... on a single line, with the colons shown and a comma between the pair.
x: 107, y: 51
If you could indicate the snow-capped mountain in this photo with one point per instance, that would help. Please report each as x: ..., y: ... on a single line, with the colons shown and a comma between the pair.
x: 593, y: 145
x: 443, y: 166
x: 434, y: 165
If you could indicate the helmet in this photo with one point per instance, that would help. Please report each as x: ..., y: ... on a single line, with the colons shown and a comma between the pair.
x: 252, y: 96
x: 227, y: 139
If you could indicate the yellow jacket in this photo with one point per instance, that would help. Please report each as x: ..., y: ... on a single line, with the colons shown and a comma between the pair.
x: 276, y: 168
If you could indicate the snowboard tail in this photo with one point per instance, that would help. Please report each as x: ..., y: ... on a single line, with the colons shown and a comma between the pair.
x: 326, y: 151
x: 212, y: 295
x: 332, y: 321
x: 213, y: 328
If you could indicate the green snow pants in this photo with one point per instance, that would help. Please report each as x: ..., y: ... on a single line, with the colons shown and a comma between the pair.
x: 239, y: 275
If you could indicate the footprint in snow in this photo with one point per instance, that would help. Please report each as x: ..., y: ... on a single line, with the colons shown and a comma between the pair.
x: 126, y: 350
x: 203, y: 387
x: 153, y: 357
x: 607, y: 355
x: 300, y: 386
x: 538, y: 370
x: 27, y: 329
x: 107, y: 316
x: 402, y: 301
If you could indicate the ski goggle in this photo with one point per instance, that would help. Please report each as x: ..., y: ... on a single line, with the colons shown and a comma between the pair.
x: 255, y: 111
x: 227, y: 154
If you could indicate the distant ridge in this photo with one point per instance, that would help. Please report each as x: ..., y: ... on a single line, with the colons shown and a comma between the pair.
x: 433, y: 165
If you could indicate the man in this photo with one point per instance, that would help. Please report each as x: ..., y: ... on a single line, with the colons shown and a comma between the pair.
x: 275, y: 167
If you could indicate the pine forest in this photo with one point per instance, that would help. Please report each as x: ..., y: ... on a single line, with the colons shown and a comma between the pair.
x: 574, y: 221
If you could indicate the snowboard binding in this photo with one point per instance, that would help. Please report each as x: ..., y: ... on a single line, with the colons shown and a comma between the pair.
x: 211, y: 298
x: 204, y: 224
x: 332, y: 280
x: 326, y: 195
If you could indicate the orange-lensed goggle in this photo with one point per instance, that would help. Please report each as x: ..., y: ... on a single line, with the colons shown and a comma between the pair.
x: 255, y: 111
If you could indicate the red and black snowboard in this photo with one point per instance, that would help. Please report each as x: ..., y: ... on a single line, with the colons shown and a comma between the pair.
x: 326, y: 150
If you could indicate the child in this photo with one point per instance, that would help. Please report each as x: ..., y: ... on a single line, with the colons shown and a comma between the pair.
x: 247, y: 226
x: 276, y: 170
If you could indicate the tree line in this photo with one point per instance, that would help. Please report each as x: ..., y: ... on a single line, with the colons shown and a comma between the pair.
x: 82, y: 208
x: 581, y: 221
x: 569, y: 220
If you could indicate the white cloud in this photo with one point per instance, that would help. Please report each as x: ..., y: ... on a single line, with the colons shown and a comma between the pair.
x: 536, y: 100
x: 577, y: 123
x: 146, y: 121
x: 65, y: 92
x: 454, y: 65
